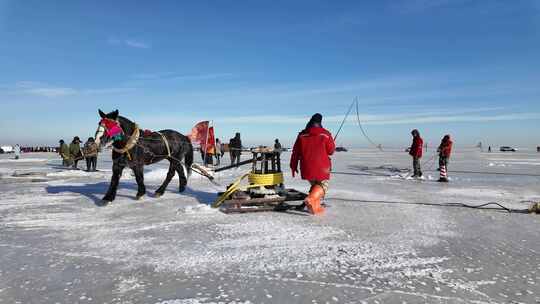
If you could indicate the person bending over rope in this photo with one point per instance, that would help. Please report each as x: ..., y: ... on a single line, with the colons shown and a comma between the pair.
x: 63, y: 150
x: 445, y: 149
x: 416, y: 152
x: 312, y: 149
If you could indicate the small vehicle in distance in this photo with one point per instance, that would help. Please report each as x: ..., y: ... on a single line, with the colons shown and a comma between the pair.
x: 507, y: 149
x: 341, y: 149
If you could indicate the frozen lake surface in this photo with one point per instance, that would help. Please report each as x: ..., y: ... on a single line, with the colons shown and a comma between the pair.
x: 57, y: 246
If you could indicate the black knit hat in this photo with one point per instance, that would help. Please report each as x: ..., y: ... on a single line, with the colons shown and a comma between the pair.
x: 316, y: 118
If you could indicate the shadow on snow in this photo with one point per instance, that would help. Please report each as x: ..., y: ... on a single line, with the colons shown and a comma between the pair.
x: 96, y: 191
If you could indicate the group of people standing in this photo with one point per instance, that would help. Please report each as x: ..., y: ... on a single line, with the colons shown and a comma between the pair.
x: 444, y: 150
x: 218, y: 151
x: 71, y: 154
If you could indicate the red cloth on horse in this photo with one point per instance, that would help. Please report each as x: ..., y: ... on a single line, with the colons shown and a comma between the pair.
x: 147, y: 132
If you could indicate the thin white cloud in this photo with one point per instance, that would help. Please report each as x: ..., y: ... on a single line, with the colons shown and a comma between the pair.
x: 28, y: 84
x: 290, y: 91
x: 133, y: 43
x: 202, y: 76
x: 396, y: 120
x: 178, y: 76
x: 367, y: 119
x: 107, y: 91
x: 45, y: 90
x: 137, y: 44
x: 40, y: 89
x: 152, y: 76
x: 51, y: 92
x: 418, y: 6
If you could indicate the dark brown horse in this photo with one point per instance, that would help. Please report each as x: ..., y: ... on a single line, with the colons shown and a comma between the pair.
x: 135, y: 148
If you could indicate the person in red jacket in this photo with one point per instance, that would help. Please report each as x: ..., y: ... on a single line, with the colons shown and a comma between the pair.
x: 445, y: 149
x: 312, y: 149
x: 416, y: 152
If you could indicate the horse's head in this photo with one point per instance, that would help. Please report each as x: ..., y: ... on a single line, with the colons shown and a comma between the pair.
x: 108, y: 127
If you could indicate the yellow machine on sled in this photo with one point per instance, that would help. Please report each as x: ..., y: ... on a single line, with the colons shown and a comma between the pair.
x: 264, y: 189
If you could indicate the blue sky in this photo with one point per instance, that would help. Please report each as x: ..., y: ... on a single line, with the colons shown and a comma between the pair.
x: 468, y: 68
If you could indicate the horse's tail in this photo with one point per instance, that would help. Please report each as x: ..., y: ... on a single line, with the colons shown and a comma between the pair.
x: 188, y: 159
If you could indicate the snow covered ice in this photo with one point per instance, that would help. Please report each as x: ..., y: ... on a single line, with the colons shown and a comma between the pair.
x: 57, y: 246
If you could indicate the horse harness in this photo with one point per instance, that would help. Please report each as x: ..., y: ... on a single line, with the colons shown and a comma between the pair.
x: 166, y: 143
x: 133, y: 141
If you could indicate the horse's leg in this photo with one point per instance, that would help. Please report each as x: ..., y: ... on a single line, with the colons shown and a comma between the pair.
x: 170, y: 175
x: 182, y: 171
x: 115, y: 179
x: 139, y: 177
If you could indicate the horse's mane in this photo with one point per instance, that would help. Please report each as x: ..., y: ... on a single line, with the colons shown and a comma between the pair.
x: 127, y: 125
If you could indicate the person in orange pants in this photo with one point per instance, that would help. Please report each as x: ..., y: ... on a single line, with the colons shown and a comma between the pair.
x: 312, y: 149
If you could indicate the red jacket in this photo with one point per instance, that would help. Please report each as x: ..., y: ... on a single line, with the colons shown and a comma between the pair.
x: 313, y: 149
x: 445, y: 149
x: 417, y: 146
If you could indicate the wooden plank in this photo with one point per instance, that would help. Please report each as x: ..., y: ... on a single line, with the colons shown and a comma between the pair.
x: 255, y: 201
x: 245, y: 162
x: 246, y: 210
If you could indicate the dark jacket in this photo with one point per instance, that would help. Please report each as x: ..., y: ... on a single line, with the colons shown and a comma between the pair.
x: 235, y: 145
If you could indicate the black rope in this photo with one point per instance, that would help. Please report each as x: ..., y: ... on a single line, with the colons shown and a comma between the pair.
x: 378, y: 146
x: 344, y: 119
x: 463, y: 205
x: 497, y: 173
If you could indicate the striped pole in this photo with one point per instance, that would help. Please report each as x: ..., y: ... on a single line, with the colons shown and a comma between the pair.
x: 443, y: 172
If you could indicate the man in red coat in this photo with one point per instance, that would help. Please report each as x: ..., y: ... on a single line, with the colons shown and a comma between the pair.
x: 312, y: 149
x: 416, y: 152
x: 445, y: 149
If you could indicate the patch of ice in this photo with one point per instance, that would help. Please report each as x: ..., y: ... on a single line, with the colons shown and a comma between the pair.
x: 128, y: 284
x: 24, y: 160
x: 200, y: 301
x: 473, y: 192
x: 72, y: 173
x: 156, y: 174
x: 200, y: 209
